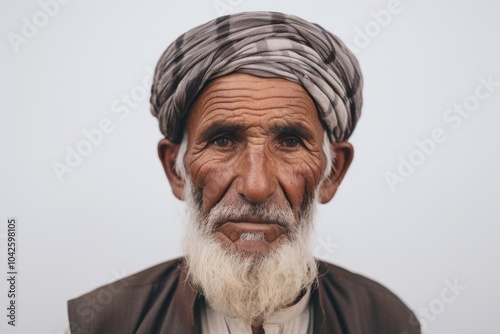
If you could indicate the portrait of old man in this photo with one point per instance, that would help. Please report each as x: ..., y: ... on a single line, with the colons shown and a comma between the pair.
x: 256, y: 110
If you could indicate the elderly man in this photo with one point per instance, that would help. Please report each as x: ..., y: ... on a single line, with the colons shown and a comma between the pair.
x: 256, y: 109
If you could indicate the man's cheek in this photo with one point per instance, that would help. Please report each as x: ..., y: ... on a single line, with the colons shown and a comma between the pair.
x: 214, y: 181
x: 303, y: 173
x: 202, y: 166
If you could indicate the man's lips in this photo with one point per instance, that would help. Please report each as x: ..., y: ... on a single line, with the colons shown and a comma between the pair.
x: 233, y: 230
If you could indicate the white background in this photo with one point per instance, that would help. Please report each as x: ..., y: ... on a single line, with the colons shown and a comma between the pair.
x: 114, y: 214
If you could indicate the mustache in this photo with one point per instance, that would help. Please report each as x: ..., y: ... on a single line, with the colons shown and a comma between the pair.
x: 267, y: 212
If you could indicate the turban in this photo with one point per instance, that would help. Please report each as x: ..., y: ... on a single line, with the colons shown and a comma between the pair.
x: 265, y: 44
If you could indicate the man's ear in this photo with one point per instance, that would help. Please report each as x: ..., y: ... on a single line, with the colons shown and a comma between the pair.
x: 167, y: 152
x: 344, y: 153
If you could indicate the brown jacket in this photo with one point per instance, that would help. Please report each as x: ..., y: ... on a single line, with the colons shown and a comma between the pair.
x: 160, y: 300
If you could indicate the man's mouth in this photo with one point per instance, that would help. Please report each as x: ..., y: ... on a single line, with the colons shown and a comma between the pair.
x: 252, y: 231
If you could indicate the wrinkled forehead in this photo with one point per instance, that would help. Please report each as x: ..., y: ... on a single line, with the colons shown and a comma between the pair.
x: 248, y: 88
x: 240, y: 101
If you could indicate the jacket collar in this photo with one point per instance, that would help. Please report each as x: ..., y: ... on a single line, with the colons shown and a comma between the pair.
x: 187, y: 299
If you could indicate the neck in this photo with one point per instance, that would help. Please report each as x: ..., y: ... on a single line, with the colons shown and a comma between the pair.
x: 299, y: 297
x: 257, y: 329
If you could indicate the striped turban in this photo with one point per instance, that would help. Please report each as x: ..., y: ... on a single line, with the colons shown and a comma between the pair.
x: 265, y: 44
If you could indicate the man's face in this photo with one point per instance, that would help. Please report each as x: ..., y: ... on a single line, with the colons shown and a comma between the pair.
x: 253, y: 163
x: 255, y: 141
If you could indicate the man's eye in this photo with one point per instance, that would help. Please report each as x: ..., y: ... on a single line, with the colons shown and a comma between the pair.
x: 222, y: 141
x: 291, y: 142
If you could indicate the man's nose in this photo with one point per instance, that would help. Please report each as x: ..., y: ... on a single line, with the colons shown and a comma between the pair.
x: 256, y: 180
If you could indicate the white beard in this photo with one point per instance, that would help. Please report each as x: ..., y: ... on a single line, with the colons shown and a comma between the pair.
x: 240, y: 285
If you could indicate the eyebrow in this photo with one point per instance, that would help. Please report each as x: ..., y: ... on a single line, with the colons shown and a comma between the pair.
x: 297, y: 130
x: 217, y: 129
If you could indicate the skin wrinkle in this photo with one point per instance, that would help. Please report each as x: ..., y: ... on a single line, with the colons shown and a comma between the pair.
x: 248, y: 96
x: 180, y: 165
x: 256, y: 151
x: 313, y: 144
x: 267, y: 153
x: 230, y: 163
x: 225, y: 116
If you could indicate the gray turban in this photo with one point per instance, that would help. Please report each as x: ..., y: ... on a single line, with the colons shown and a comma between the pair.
x: 264, y: 44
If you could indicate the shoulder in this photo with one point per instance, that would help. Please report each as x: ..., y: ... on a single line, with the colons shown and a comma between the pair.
x: 163, y: 273
x: 121, y: 302
x: 334, y: 276
x: 364, y: 301
x: 158, y: 274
